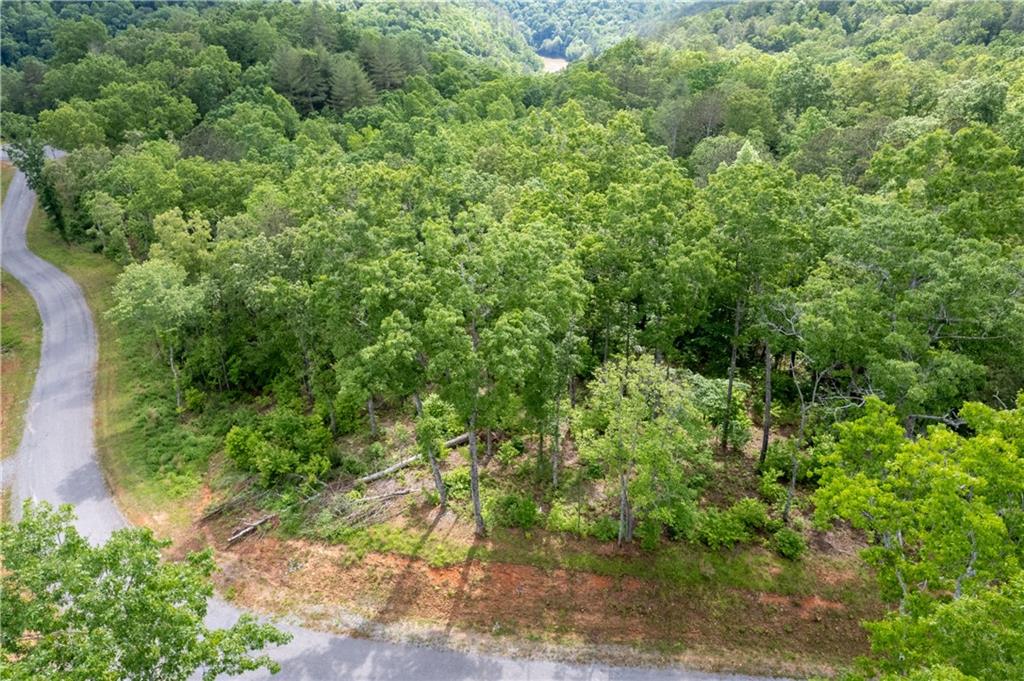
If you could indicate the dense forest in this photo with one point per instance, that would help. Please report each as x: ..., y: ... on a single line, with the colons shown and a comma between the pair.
x: 575, y: 29
x: 790, y: 232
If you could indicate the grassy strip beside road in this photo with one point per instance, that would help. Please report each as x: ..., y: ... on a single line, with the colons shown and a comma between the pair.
x: 124, y: 392
x: 21, y: 337
x: 6, y: 175
x: 20, y: 341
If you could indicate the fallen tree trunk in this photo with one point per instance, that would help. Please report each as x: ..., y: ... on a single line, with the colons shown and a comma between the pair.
x: 389, y: 470
x: 454, y: 442
x: 383, y: 497
x: 250, y: 528
x: 457, y: 441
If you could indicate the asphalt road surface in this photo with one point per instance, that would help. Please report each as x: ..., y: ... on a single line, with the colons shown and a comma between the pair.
x: 56, y: 462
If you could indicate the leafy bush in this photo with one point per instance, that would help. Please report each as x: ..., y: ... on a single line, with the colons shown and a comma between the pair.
x: 508, y: 452
x: 284, y: 443
x: 241, y: 444
x: 770, y: 489
x: 709, y: 394
x: 564, y: 517
x: 194, y: 400
x: 457, y: 482
x: 649, y: 532
x: 779, y: 458
x: 514, y: 510
x: 789, y: 543
x: 751, y: 512
x: 604, y: 529
x: 721, y: 529
x: 682, y: 520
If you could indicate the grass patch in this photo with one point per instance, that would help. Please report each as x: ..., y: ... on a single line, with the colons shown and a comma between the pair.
x: 678, y: 566
x: 20, y: 339
x: 6, y: 175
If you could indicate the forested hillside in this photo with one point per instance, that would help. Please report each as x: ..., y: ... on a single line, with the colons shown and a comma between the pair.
x: 575, y: 29
x: 722, y: 289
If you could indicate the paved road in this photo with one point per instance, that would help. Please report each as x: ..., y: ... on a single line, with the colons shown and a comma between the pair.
x: 56, y: 459
x: 56, y: 462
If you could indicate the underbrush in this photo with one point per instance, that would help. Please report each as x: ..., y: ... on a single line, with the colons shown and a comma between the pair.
x: 676, y: 565
x: 326, y: 504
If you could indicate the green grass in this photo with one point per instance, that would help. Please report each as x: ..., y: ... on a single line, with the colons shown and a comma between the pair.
x: 676, y: 565
x: 21, y: 335
x: 6, y: 175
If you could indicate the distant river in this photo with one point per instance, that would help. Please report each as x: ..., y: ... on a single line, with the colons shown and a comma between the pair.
x: 553, y: 64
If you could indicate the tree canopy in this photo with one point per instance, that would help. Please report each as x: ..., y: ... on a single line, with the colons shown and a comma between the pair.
x: 807, y: 216
x: 115, y: 611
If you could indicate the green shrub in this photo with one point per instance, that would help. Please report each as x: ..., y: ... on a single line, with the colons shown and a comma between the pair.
x: 564, y: 517
x: 241, y: 444
x: 457, y: 482
x: 682, y: 520
x: 604, y: 529
x: 788, y: 543
x: 513, y: 510
x: 649, y: 532
x: 709, y: 396
x: 751, y: 512
x: 194, y: 400
x: 508, y: 453
x: 281, y: 445
x: 349, y: 407
x: 779, y: 458
x: 770, y: 489
x: 721, y: 529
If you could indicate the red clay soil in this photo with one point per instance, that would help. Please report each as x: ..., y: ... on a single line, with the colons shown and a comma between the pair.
x: 781, y: 633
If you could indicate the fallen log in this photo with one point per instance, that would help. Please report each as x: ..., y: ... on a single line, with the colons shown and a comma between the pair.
x: 389, y: 470
x: 250, y: 528
x: 383, y: 497
x: 457, y: 441
x: 454, y: 442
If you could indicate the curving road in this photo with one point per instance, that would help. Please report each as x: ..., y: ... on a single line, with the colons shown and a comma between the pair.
x: 56, y: 462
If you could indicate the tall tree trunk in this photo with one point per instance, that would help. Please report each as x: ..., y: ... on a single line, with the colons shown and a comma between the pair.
x: 791, y: 489
x: 803, y: 403
x: 625, y: 513
x: 909, y: 425
x: 332, y: 417
x: 490, y: 444
x: 767, y: 418
x: 726, y: 422
x: 435, y: 469
x: 540, y: 452
x: 307, y: 381
x: 177, y: 380
x: 225, y: 381
x: 418, y: 404
x: 474, y: 479
x: 607, y: 337
x: 556, y: 449
x: 373, y: 416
